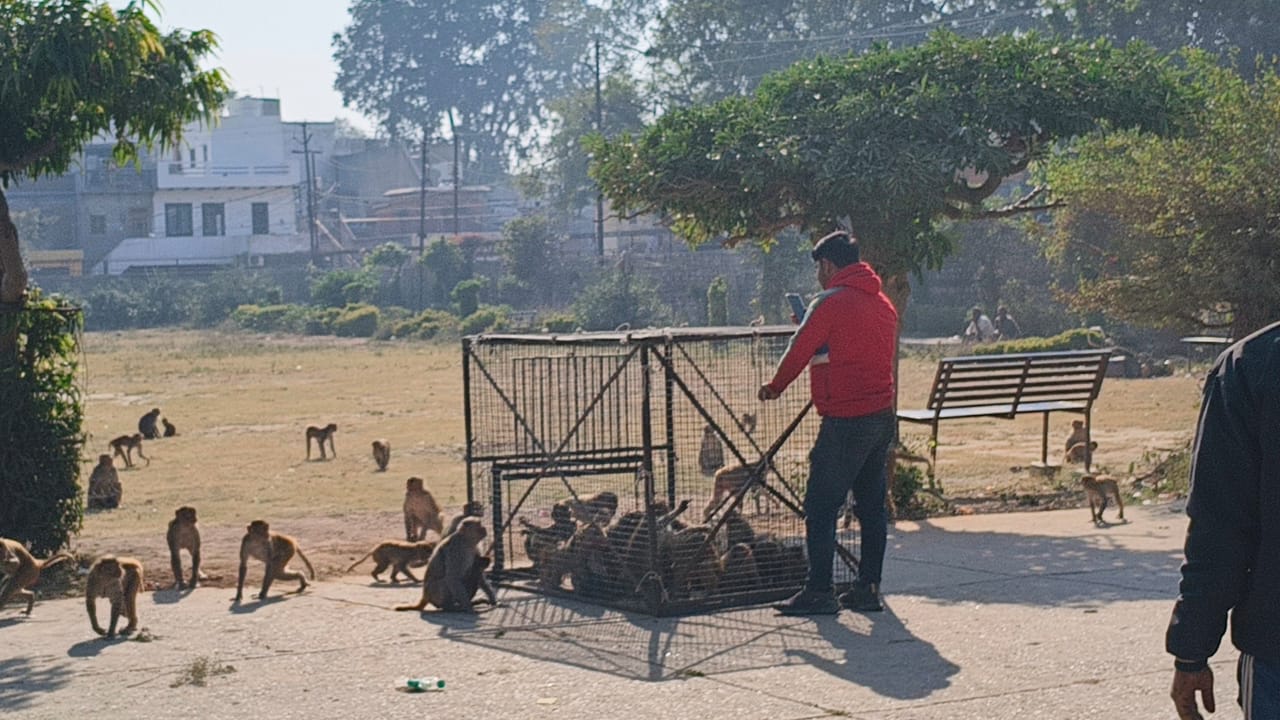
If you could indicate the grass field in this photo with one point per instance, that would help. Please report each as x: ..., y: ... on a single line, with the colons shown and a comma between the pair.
x: 241, y: 401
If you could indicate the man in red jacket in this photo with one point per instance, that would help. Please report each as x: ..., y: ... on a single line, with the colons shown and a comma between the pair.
x: 852, y: 389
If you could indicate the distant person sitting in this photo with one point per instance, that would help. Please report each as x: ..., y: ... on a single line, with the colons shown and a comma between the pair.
x: 1006, y: 327
x: 980, y: 328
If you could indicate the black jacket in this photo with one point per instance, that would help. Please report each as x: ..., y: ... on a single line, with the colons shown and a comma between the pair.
x: 1233, y: 539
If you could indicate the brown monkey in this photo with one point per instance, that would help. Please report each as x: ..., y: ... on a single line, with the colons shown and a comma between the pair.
x: 421, y: 513
x: 397, y: 555
x: 444, y: 583
x: 21, y: 571
x: 1097, y: 487
x: 119, y: 579
x: 184, y: 535
x: 147, y: 424
x: 382, y: 453
x: 541, y: 543
x: 767, y: 555
x: 124, y: 446
x: 595, y: 509
x: 1076, y: 453
x: 737, y: 530
x: 711, y: 454
x: 738, y: 572
x: 321, y: 435
x: 275, y: 550
x: 105, y: 490
x: 1077, y: 434
x: 169, y: 429
x: 728, y: 480
x: 471, y: 509
x: 695, y: 565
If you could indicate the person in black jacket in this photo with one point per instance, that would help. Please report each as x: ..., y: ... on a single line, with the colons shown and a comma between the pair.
x: 1233, y: 539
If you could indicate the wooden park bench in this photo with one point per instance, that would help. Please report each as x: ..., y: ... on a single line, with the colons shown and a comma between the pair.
x: 1005, y: 386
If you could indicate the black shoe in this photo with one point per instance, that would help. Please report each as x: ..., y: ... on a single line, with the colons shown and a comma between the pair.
x: 809, y: 602
x: 863, y: 598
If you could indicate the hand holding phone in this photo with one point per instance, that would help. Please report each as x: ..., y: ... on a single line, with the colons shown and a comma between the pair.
x: 797, y: 306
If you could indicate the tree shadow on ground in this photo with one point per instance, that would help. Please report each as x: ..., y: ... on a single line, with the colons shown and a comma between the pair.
x: 21, y: 681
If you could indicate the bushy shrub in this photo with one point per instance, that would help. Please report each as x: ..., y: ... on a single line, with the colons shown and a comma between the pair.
x: 426, y: 325
x: 489, y: 318
x: 718, y: 302
x: 1075, y: 339
x: 320, y: 321
x: 226, y: 290
x: 559, y: 323
x: 340, y: 288
x: 617, y: 298
x: 356, y: 321
x: 122, y: 303
x: 271, y: 318
x: 466, y: 296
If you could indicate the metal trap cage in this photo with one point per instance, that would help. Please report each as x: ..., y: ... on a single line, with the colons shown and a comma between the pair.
x: 638, y: 470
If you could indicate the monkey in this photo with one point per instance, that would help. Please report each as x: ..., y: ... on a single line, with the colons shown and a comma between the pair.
x: 275, y: 550
x: 711, y: 454
x: 767, y: 555
x: 21, y: 571
x: 628, y: 538
x: 124, y: 446
x: 749, y: 423
x: 105, y: 491
x: 1096, y: 488
x: 119, y: 579
x: 184, y: 535
x: 737, y: 531
x: 321, y: 435
x: 397, y: 555
x: 382, y: 454
x: 728, y: 480
x: 585, y: 557
x: 147, y: 424
x: 738, y: 572
x: 1077, y: 434
x: 444, y: 584
x: 1076, y: 453
x: 597, y: 509
x: 540, y: 543
x: 421, y: 513
x: 169, y: 429
x: 694, y: 562
x: 471, y: 509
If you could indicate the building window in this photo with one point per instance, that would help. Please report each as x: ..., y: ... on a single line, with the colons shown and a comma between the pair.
x: 261, y: 220
x: 137, y: 222
x: 177, y: 220
x: 97, y: 224
x: 214, y: 219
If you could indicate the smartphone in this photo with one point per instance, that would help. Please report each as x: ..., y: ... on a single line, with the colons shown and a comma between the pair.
x: 797, y: 306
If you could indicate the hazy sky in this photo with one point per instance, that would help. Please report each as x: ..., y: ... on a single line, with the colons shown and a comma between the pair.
x: 274, y: 48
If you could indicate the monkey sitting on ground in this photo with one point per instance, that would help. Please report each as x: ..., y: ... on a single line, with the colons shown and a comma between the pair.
x: 421, y: 512
x: 711, y: 454
x: 119, y: 579
x: 169, y: 429
x: 1077, y: 452
x: 1077, y: 434
x: 738, y: 571
x: 382, y: 454
x: 124, y: 446
x: 184, y: 535
x: 597, y: 509
x: 1097, y: 487
x: 471, y: 509
x: 695, y: 564
x: 21, y: 571
x: 275, y: 550
x: 147, y: 424
x: 398, y: 555
x: 105, y: 490
x: 541, y: 543
x: 454, y: 562
x: 322, y: 435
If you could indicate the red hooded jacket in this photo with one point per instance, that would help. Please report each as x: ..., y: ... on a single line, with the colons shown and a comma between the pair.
x: 859, y: 327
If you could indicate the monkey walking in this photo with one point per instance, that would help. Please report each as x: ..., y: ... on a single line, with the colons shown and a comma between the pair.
x: 1097, y: 488
x: 322, y: 435
x: 184, y: 535
x: 382, y: 454
x: 397, y: 555
x: 21, y: 570
x: 105, y: 491
x: 119, y: 579
x: 124, y: 446
x: 421, y: 512
x: 455, y: 571
x: 275, y: 550
x: 147, y: 424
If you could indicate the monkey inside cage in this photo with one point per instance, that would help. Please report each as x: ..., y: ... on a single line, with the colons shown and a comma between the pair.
x: 638, y: 470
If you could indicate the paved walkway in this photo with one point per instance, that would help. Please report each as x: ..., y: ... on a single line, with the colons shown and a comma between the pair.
x: 1029, y: 615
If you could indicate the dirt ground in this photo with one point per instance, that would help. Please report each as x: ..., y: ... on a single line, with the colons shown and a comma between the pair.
x: 240, y: 403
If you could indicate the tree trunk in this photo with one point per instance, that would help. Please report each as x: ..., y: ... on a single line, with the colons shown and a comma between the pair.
x: 13, y: 283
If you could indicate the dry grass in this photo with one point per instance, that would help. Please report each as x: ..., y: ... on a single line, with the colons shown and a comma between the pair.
x: 241, y: 401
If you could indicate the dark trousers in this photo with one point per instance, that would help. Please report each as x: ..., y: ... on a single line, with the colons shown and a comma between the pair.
x: 849, y: 454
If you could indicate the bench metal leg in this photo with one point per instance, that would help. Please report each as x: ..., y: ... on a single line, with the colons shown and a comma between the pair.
x: 933, y: 459
x: 1044, y: 442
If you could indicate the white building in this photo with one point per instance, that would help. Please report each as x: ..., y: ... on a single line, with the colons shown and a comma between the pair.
x: 236, y: 190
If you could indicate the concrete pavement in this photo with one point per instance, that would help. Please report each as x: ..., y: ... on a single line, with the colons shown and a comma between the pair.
x: 1027, y: 615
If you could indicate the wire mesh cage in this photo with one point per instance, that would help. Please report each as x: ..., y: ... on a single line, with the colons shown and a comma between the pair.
x: 638, y: 470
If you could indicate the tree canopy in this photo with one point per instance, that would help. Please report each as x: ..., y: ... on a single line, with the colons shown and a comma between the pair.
x: 887, y: 142
x: 1179, y: 232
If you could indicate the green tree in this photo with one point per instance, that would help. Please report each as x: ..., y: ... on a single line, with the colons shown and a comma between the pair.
x: 1176, y: 232
x: 718, y: 302
x: 527, y: 248
x: 888, y: 142
x: 448, y: 267
x: 620, y: 298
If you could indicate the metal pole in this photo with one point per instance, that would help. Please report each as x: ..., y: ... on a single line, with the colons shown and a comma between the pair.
x: 600, y: 130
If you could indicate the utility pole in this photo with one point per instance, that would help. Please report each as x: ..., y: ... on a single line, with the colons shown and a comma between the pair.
x: 453, y: 130
x: 307, y: 152
x: 422, y: 217
x: 600, y: 130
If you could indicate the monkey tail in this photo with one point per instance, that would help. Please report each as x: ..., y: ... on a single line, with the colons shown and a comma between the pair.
x: 54, y: 560
x: 308, y: 563
x: 354, y: 564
